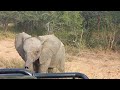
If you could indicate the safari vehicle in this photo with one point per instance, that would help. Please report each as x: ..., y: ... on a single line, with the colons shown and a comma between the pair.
x: 25, y: 74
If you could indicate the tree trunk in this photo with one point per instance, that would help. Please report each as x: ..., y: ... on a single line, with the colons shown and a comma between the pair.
x: 5, y: 26
x: 98, y: 23
x: 98, y: 27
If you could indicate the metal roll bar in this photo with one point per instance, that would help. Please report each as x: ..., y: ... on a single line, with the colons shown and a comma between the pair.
x: 15, y: 71
x: 23, y: 72
x: 61, y: 75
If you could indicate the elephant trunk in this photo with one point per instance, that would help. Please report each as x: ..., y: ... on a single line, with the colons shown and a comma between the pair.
x: 26, y: 67
x: 28, y: 62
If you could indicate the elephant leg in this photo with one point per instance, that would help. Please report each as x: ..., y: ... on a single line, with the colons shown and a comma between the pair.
x: 36, y: 66
x: 50, y: 70
x: 44, y: 67
x: 61, y: 69
x: 61, y: 66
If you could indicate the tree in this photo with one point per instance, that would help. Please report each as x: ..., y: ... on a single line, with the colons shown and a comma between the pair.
x: 7, y: 17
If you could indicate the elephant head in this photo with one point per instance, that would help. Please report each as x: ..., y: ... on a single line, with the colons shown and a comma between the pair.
x: 32, y: 48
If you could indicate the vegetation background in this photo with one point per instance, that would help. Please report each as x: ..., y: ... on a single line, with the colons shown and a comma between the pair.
x: 93, y: 35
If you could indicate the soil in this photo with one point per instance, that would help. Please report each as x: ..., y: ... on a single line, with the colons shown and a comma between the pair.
x: 96, y: 65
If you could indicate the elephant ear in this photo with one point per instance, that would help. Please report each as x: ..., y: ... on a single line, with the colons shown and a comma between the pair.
x: 26, y: 36
x: 42, y: 39
x: 44, y: 56
x: 19, y: 40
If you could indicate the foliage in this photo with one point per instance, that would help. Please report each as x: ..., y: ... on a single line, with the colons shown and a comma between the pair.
x: 80, y: 29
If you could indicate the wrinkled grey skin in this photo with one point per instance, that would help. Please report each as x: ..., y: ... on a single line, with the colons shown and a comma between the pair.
x: 19, y: 39
x: 45, y: 53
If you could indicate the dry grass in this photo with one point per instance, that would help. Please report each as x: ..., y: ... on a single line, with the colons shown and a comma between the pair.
x: 11, y: 63
x: 98, y: 65
x: 95, y: 65
x: 9, y: 58
x: 6, y: 35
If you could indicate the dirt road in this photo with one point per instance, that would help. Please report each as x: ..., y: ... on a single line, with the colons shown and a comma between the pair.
x: 98, y: 65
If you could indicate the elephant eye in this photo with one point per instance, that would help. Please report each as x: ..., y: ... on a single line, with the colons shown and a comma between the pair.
x: 37, y: 51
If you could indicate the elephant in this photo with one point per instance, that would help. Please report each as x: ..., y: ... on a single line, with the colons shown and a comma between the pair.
x: 43, y: 52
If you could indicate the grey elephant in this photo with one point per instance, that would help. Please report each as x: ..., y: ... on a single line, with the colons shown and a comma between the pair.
x: 43, y: 52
